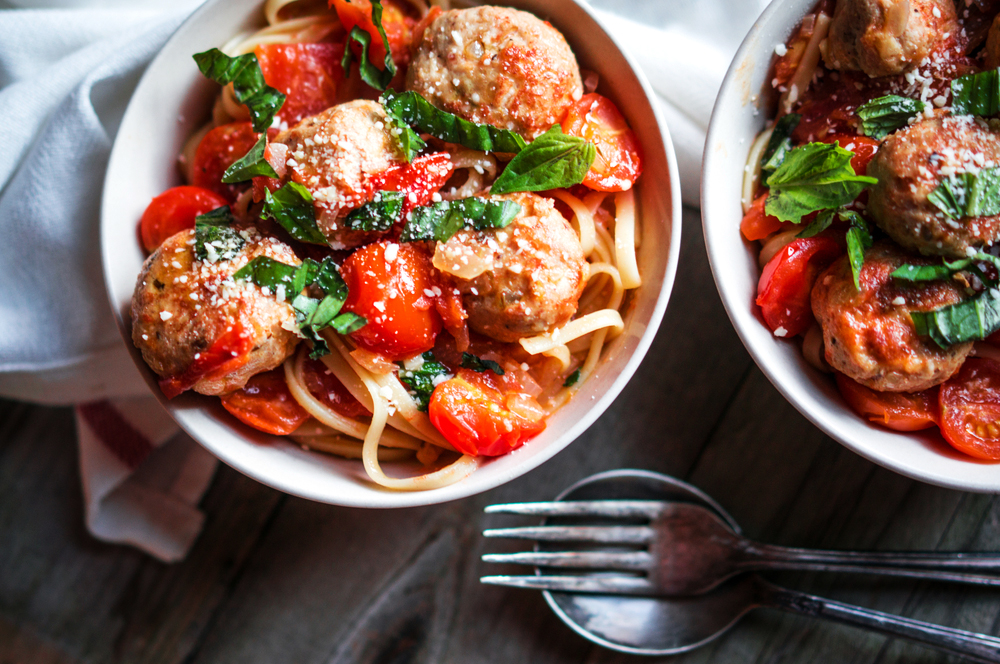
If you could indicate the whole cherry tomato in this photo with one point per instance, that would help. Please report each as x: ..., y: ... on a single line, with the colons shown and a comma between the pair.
x: 174, y: 211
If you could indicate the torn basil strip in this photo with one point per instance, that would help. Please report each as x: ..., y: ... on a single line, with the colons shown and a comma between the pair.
x: 976, y: 94
x: 554, y: 160
x: 268, y: 273
x: 250, y: 165
x: 422, y: 381
x: 214, y: 237
x: 377, y: 215
x: 411, y: 109
x: 249, y: 86
x: 909, y: 272
x: 971, y: 320
x: 813, y: 177
x: 479, y: 365
x: 819, y: 224
x: 968, y: 194
x: 859, y: 240
x: 292, y: 207
x: 440, y: 221
x: 780, y: 142
x: 370, y: 74
x: 572, y: 379
x: 880, y: 117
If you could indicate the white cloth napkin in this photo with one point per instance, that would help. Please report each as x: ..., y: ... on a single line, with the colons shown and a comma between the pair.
x: 65, y: 78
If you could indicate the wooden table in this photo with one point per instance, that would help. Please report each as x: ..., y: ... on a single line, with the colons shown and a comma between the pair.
x: 276, y: 579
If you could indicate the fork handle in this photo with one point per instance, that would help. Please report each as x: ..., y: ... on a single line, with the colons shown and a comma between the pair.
x: 977, y: 647
x: 956, y: 567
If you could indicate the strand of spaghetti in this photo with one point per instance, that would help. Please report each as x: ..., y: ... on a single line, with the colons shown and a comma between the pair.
x: 751, y: 174
x: 572, y: 330
x: 610, y: 274
x: 594, y: 199
x: 330, y: 417
x: 583, y: 219
x: 560, y: 353
x: 625, y: 239
x: 349, y: 449
x: 603, y: 246
x: 273, y: 7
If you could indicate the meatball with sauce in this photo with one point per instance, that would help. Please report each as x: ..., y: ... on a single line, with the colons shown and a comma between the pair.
x: 335, y: 155
x: 518, y: 281
x: 183, y: 306
x: 911, y: 163
x: 498, y: 66
x: 887, y: 37
x: 869, y: 335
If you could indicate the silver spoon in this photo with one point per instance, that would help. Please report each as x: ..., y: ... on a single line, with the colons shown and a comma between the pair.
x: 672, y: 625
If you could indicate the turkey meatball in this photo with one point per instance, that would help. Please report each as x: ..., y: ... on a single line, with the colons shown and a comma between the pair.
x: 498, y: 66
x: 869, y: 335
x: 887, y: 37
x: 911, y: 164
x: 183, y: 306
x: 518, y: 281
x: 335, y: 155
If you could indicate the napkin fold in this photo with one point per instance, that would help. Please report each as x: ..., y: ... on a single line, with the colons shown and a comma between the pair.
x: 65, y: 78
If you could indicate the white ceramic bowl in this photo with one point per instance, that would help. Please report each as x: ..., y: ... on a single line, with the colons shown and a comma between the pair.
x: 172, y: 99
x: 739, y: 115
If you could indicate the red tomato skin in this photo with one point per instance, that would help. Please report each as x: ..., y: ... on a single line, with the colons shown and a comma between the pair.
x: 397, y: 25
x: 308, y: 74
x: 757, y: 224
x: 900, y: 411
x: 174, y: 211
x: 970, y: 409
x: 864, y: 149
x: 227, y: 354
x: 473, y: 418
x: 398, y: 327
x: 325, y: 386
x: 619, y: 156
x: 783, y: 292
x: 266, y: 404
x: 217, y: 151
x: 419, y: 180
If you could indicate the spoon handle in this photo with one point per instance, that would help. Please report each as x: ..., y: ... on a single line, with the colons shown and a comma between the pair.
x: 978, y: 647
x: 957, y: 567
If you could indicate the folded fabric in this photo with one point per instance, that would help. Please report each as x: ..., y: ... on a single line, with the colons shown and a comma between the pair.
x: 65, y: 78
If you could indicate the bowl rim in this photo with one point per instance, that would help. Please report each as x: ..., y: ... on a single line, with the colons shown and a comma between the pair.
x: 814, y: 406
x: 386, y: 498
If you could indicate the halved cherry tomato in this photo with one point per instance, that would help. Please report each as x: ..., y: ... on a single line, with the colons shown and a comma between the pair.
x: 420, y: 179
x: 783, y: 292
x: 217, y: 151
x: 308, y: 74
x: 388, y: 284
x: 900, y: 411
x: 970, y: 409
x: 864, y: 149
x: 227, y: 354
x: 174, y: 211
x: 325, y: 386
x: 618, y: 165
x: 475, y: 418
x: 265, y: 403
x: 757, y: 224
x: 397, y: 24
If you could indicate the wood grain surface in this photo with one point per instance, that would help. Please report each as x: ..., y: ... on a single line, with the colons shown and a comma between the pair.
x: 276, y: 579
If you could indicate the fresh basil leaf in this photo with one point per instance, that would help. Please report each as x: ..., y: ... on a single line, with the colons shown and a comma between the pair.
x: 328, y: 279
x: 440, y: 221
x: 815, y: 176
x: 423, y: 380
x: 305, y: 275
x: 976, y: 94
x: 292, y: 207
x: 479, y: 365
x: 950, y: 195
x: 214, y: 239
x: 971, y: 320
x: 411, y: 109
x: 378, y: 215
x: 572, y: 379
x: 249, y: 87
x: 552, y: 161
x: 968, y: 194
x: 819, y: 224
x: 250, y: 165
x: 370, y: 74
x: 910, y: 272
x: 348, y: 322
x: 780, y: 142
x: 268, y: 273
x: 880, y: 117
x: 858, y: 241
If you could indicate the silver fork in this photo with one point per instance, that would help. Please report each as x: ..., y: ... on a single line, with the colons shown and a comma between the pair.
x: 679, y: 549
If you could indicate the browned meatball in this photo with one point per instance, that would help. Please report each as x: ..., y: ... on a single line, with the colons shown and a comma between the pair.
x: 886, y: 37
x: 335, y: 154
x: 992, y: 59
x: 911, y: 164
x: 182, y: 306
x: 869, y: 335
x: 498, y: 66
x: 518, y: 281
